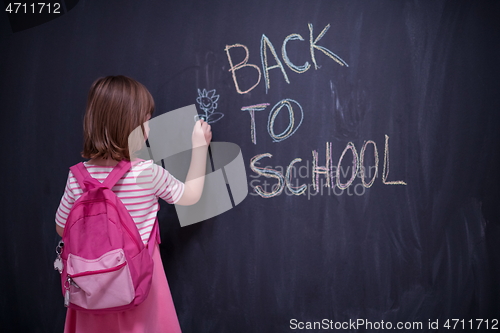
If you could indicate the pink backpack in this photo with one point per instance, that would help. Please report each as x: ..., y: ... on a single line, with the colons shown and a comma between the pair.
x: 105, y: 265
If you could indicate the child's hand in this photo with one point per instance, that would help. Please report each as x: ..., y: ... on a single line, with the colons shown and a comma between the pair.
x: 202, y: 134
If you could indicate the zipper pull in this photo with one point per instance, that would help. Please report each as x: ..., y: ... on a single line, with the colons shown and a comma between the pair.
x: 66, y: 298
x: 66, y: 293
x: 69, y: 282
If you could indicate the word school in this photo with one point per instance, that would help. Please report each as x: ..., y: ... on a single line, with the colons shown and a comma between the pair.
x: 330, y: 171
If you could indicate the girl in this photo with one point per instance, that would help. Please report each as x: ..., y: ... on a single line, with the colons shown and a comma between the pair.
x: 116, y: 106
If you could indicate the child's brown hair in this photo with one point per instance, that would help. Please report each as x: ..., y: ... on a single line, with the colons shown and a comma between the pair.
x: 116, y: 105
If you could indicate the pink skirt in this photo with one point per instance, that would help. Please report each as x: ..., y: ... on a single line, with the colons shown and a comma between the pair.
x: 155, y: 314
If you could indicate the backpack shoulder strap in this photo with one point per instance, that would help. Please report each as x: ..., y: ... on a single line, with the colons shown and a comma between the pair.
x: 84, y: 178
x: 81, y: 174
x: 118, y: 171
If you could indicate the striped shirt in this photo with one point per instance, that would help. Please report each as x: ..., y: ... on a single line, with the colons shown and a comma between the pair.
x: 139, y: 190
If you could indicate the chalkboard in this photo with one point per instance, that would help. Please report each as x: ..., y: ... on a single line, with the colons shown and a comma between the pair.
x: 369, y: 135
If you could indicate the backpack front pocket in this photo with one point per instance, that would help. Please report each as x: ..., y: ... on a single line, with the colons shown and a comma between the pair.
x: 100, y: 283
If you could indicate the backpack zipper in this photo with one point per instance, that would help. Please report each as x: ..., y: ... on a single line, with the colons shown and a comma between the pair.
x: 107, y: 270
x: 69, y: 281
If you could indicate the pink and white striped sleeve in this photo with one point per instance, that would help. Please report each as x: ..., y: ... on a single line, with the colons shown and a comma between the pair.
x: 66, y: 203
x: 166, y: 186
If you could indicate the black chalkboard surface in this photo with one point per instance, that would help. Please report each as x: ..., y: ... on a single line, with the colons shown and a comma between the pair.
x: 369, y: 132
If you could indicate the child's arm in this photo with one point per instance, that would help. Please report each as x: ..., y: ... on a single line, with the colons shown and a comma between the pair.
x: 59, y: 230
x: 193, y: 186
x: 65, y: 205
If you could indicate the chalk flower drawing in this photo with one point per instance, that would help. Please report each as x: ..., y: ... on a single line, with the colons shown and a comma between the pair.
x: 208, y: 103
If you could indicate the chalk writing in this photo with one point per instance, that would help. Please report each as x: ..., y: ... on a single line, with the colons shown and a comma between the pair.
x: 234, y: 68
x: 251, y: 109
x: 326, y: 51
x: 265, y: 45
x: 386, y: 166
x: 296, y: 190
x: 269, y: 173
x: 291, y: 128
x: 361, y: 165
x: 350, y: 146
x: 330, y: 172
x: 297, y: 69
x: 322, y: 170
x: 334, y: 175
x: 208, y: 103
x: 291, y: 119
